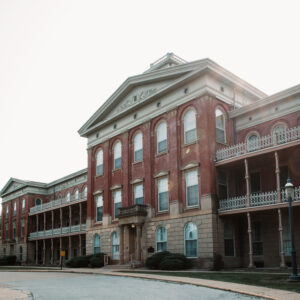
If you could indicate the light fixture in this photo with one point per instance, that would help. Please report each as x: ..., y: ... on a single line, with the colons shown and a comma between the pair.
x: 132, y: 225
x: 289, y: 189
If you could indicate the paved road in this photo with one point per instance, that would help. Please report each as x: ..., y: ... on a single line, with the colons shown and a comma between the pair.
x: 56, y: 286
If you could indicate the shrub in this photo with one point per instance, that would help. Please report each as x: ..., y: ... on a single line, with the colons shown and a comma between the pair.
x: 94, y: 260
x: 9, y: 260
x: 175, y: 261
x: 153, y: 261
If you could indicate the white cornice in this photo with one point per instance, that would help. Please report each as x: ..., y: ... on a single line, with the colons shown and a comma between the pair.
x: 167, y: 73
x: 266, y: 101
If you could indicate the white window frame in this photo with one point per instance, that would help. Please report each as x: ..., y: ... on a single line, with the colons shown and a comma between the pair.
x: 76, y: 194
x: 135, y: 192
x: 97, y: 246
x: 190, y: 123
x: 23, y: 205
x: 119, y: 200
x: 159, y: 185
x: 138, y: 146
x: 220, y: 113
x: 117, y: 150
x: 68, y: 197
x: 161, y: 241
x: 99, y: 163
x: 187, y: 173
x: 99, y: 204
x: 85, y: 191
x: 161, y: 136
x: 115, y: 245
x: 185, y: 239
x: 15, y: 208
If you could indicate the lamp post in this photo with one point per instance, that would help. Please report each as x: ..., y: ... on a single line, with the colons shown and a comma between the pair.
x: 289, y: 192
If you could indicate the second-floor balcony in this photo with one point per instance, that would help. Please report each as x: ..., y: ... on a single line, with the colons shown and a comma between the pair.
x: 58, y: 203
x: 256, y: 200
x: 286, y: 136
x: 57, y: 231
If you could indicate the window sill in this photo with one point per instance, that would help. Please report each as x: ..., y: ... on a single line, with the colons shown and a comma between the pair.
x: 100, y: 175
x: 98, y: 222
x: 192, y: 207
x: 221, y: 143
x: 189, y: 144
x: 115, y: 170
x: 161, y: 154
x: 137, y: 162
x: 163, y: 212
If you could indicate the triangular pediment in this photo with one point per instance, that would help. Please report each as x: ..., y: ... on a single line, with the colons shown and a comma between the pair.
x: 12, y: 185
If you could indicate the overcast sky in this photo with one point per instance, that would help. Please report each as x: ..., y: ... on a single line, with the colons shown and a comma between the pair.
x: 60, y: 60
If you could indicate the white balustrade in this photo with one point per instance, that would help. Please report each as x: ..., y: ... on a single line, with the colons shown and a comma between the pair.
x: 48, y: 232
x: 41, y: 233
x: 75, y: 228
x: 266, y: 198
x: 83, y: 227
x: 65, y: 230
x: 33, y: 235
x: 260, y: 143
x: 232, y: 203
x: 56, y: 231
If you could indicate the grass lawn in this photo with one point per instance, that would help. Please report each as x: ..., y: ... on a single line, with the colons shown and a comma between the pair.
x: 275, y: 281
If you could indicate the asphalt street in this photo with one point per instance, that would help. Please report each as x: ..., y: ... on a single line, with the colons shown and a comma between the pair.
x: 56, y: 286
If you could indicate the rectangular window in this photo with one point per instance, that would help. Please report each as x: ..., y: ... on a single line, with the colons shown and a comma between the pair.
x: 15, y: 208
x: 117, y: 195
x: 255, y: 183
x: 138, y: 155
x: 6, y: 231
x: 222, y: 185
x: 6, y: 211
x: 229, y: 247
x: 257, y: 242
x: 23, y: 206
x: 190, y: 136
x: 118, y: 163
x: 162, y: 146
x: 99, y: 204
x: 163, y: 194
x: 192, y: 194
x: 22, y: 228
x: 14, y: 230
x: 99, y: 170
x: 138, y: 194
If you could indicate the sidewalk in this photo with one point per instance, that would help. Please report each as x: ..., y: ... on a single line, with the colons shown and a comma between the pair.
x: 8, y: 294
x: 226, y: 286
x: 264, y: 292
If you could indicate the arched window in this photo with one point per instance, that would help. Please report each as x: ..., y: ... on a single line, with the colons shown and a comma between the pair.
x: 161, y: 239
x: 280, y: 132
x: 21, y: 253
x: 23, y: 205
x: 252, y: 142
x: 76, y: 194
x: 138, y: 147
x: 220, y: 126
x: 99, y: 168
x: 191, y: 240
x: 7, y: 211
x: 162, y: 142
x: 15, y: 208
x: 59, y: 196
x: 38, y: 201
x: 68, y: 197
x: 96, y: 243
x: 85, y: 192
x: 115, y: 242
x: 117, y: 155
x: 99, y: 208
x: 190, y: 132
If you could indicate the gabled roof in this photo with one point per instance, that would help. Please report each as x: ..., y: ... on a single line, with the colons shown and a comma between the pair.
x: 17, y: 184
x: 180, y: 71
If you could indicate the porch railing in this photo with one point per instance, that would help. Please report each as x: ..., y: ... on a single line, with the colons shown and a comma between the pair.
x: 282, y: 137
x: 256, y: 199
x: 58, y: 202
x: 57, y: 231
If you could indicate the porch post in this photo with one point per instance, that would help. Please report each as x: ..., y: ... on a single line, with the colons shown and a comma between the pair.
x: 138, y: 244
x: 277, y: 172
x: 52, y: 252
x: 247, y: 177
x: 122, y: 244
x: 37, y: 252
x: 52, y: 220
x: 60, y: 210
x: 251, y: 265
x: 44, y: 252
x: 60, y: 249
x: 44, y: 221
x: 37, y: 225
x: 282, y: 259
x: 70, y: 218
x: 70, y: 247
x: 80, y: 252
x: 80, y: 213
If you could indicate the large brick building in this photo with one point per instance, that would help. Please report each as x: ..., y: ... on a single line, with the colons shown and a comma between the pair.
x: 186, y: 157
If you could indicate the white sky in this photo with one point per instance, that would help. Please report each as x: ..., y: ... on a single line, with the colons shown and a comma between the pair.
x: 60, y: 60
